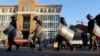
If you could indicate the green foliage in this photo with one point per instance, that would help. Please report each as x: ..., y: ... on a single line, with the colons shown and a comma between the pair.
x: 72, y: 27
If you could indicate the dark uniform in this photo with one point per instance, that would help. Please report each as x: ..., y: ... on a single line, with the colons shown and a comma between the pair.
x: 84, y: 38
x: 93, y: 42
x: 12, y: 34
x: 60, y: 38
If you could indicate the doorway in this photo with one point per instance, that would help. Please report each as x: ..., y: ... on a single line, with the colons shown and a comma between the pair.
x: 26, y: 26
x: 26, y: 23
x: 25, y: 34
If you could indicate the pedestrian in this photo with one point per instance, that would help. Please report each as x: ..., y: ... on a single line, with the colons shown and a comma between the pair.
x: 93, y: 42
x: 60, y: 38
x: 11, y: 32
x: 39, y: 33
x: 84, y: 37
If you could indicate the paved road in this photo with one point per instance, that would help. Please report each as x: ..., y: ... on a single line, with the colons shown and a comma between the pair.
x: 48, y: 52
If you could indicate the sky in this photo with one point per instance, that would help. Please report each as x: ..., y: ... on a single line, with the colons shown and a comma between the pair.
x: 72, y: 10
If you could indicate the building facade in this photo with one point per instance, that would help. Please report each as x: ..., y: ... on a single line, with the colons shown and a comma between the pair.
x: 25, y: 11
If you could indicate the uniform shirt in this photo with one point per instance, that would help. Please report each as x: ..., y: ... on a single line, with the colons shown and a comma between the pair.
x: 13, y: 23
x: 90, y: 26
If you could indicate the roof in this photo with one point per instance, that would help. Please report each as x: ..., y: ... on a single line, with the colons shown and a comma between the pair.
x: 81, y: 26
x: 4, y: 5
x: 52, y: 5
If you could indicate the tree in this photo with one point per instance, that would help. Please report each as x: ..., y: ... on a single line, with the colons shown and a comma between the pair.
x: 71, y: 27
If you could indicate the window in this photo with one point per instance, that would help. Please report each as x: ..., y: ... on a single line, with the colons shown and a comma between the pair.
x: 5, y: 18
x: 50, y: 34
x: 46, y: 17
x: 8, y: 17
x: 44, y: 25
x: 42, y: 17
x: 58, y: 10
x: 49, y: 26
x: 26, y: 9
x: 50, y: 17
x: 14, y: 10
x: 0, y: 17
x: 38, y: 10
x: 41, y: 10
x: 23, y: 9
x: 52, y: 25
x: 44, y: 10
x: 56, y: 17
x: 26, y: 24
x: 6, y: 10
x: 47, y: 10
x: 3, y: 10
x: 53, y: 18
x: 57, y: 25
x: 53, y: 10
x: 10, y: 10
x: 0, y: 10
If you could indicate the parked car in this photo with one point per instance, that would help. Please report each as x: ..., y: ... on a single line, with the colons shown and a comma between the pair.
x: 77, y: 40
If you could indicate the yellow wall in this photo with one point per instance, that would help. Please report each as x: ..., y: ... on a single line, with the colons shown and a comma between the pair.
x: 32, y: 5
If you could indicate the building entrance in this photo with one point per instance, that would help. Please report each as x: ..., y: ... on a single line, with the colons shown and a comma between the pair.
x: 26, y: 27
x: 25, y: 34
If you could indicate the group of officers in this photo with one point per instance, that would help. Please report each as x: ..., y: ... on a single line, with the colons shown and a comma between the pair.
x: 39, y: 33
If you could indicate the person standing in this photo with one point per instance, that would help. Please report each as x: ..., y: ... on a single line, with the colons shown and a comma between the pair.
x: 60, y: 38
x: 84, y: 37
x: 93, y: 42
x: 11, y: 32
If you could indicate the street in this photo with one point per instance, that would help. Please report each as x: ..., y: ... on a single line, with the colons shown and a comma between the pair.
x: 25, y: 51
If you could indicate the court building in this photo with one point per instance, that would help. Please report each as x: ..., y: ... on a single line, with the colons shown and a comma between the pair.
x: 25, y: 11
